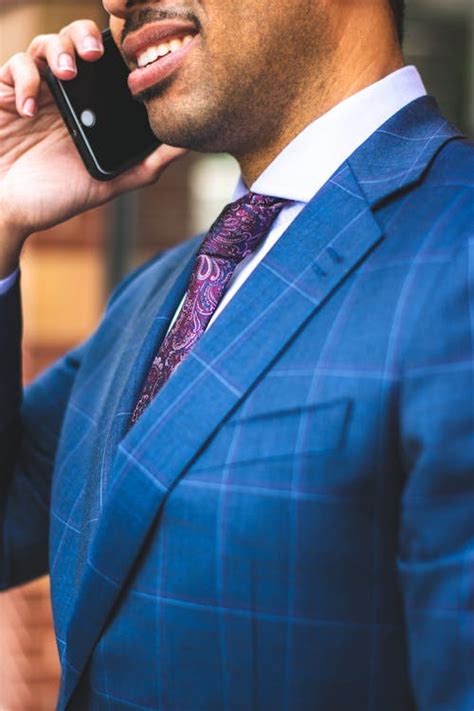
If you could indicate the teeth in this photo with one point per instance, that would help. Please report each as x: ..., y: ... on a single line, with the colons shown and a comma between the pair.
x: 175, y: 44
x: 161, y: 50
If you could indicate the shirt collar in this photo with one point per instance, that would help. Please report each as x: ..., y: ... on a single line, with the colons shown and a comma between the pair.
x: 307, y: 163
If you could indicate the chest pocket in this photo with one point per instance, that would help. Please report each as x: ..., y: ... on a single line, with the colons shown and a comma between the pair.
x: 280, y: 427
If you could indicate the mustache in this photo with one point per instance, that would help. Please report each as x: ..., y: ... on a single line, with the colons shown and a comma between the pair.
x: 147, y: 15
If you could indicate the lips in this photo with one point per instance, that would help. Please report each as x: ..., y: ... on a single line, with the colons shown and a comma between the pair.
x: 147, y: 47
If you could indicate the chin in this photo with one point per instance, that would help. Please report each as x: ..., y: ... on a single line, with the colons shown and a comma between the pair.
x: 197, y: 121
x: 181, y: 128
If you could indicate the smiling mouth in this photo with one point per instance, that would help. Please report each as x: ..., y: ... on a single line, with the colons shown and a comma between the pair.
x: 154, y: 53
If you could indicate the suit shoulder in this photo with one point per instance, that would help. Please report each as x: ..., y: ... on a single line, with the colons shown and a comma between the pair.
x: 448, y: 190
x: 453, y: 165
x: 437, y: 212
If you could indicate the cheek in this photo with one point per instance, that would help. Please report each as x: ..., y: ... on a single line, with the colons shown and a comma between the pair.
x: 232, y: 28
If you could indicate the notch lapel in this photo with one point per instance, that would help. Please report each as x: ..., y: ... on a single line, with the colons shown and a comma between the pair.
x: 334, y: 233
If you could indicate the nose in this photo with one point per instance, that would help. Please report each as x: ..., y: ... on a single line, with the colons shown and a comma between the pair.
x: 121, y: 8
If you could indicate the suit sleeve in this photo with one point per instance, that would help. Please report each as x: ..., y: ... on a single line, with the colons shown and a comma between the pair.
x: 436, y: 559
x: 30, y: 425
x: 30, y: 429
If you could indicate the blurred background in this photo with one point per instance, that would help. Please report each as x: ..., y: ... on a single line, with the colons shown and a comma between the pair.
x: 68, y: 272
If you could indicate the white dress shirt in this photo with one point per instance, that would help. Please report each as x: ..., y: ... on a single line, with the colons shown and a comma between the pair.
x: 307, y: 163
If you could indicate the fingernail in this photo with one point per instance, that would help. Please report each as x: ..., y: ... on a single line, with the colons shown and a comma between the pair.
x: 29, y: 107
x: 65, y: 62
x: 91, y: 44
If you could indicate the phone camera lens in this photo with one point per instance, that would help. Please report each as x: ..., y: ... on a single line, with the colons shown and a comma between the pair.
x: 88, y: 118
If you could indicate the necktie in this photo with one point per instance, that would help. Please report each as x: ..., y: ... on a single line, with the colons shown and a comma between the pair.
x: 233, y: 236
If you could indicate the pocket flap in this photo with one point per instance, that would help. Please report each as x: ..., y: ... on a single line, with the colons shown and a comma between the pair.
x: 275, y: 431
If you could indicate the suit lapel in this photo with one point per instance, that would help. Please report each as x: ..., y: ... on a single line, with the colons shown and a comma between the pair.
x: 327, y: 241
x: 153, y: 320
x: 140, y: 330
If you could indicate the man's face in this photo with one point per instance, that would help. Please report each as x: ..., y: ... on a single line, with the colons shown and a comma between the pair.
x: 232, y: 69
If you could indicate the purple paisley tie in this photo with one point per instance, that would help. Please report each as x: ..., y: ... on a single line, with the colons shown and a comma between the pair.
x: 233, y: 236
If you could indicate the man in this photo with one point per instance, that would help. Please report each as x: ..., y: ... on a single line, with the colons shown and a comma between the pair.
x: 256, y: 478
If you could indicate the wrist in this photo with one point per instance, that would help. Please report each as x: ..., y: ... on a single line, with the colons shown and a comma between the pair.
x: 11, y: 244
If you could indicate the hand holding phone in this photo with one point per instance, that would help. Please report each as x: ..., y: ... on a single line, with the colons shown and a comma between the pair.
x: 110, y: 129
x: 42, y: 178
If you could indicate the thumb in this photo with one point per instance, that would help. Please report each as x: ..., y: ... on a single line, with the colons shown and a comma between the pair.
x: 149, y: 170
x: 162, y: 157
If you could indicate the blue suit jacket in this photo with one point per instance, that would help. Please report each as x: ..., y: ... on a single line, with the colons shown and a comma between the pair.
x: 290, y: 525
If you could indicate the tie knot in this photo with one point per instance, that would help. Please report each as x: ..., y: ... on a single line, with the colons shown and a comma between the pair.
x: 241, y: 226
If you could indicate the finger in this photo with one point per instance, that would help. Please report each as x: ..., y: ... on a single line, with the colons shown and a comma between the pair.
x: 163, y: 156
x: 147, y: 172
x: 55, y: 51
x: 86, y: 38
x: 22, y: 74
x: 58, y: 52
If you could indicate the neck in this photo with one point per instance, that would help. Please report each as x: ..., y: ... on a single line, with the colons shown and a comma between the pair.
x: 356, y: 63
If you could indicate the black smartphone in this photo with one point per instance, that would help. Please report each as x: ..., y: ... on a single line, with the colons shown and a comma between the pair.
x: 110, y: 128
